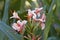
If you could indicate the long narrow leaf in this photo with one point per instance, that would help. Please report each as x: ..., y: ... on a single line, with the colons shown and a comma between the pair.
x: 9, y: 32
x: 49, y: 21
x: 6, y: 8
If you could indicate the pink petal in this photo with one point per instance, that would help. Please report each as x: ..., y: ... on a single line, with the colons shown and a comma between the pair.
x: 37, y: 10
x: 15, y: 27
x: 43, y: 16
x: 24, y: 22
x: 42, y: 26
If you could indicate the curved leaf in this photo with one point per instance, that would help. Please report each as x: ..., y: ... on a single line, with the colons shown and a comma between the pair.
x: 9, y: 32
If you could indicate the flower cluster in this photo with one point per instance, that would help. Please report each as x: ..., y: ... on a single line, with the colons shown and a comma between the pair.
x: 19, y: 26
x: 37, y: 15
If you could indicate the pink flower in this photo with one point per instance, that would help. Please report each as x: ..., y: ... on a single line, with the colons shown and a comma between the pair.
x: 34, y: 13
x: 43, y: 17
x: 16, y: 26
x: 42, y: 21
x: 19, y: 26
x: 31, y: 14
x: 15, y: 15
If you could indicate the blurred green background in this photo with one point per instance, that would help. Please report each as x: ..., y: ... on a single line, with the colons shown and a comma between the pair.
x: 51, y: 7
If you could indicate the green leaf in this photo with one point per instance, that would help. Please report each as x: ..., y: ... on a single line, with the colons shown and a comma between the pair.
x: 22, y: 5
x: 48, y: 21
x: 1, y: 35
x: 11, y: 34
x: 58, y: 10
x: 6, y: 8
x: 53, y: 38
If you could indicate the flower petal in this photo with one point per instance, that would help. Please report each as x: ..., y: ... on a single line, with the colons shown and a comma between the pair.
x: 37, y: 10
x: 42, y: 26
x: 15, y: 15
x: 15, y: 27
x: 24, y: 22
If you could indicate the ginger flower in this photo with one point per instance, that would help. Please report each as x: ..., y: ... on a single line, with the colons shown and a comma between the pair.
x: 42, y: 21
x: 15, y: 15
x: 19, y: 26
x: 31, y: 14
x: 37, y: 15
x: 38, y: 12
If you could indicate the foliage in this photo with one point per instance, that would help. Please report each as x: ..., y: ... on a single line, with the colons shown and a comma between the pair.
x: 51, y: 8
